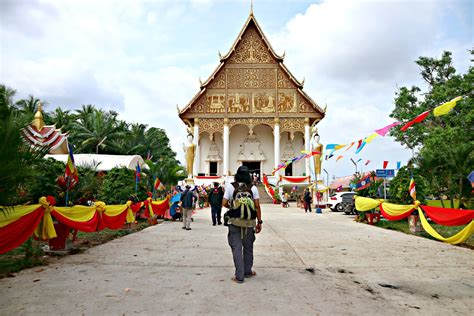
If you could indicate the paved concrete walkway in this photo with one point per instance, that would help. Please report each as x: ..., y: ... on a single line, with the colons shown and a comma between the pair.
x: 356, y: 269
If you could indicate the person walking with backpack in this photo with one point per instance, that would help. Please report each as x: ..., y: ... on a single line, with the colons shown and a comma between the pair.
x: 307, y: 200
x: 188, y: 199
x: 215, y: 199
x: 244, y: 219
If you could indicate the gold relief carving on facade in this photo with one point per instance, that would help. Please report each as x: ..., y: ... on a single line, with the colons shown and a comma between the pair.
x: 292, y: 125
x: 283, y: 81
x: 234, y: 78
x: 266, y: 78
x: 264, y: 102
x: 239, y: 103
x: 215, y: 102
x: 251, y: 49
x: 251, y: 78
x: 287, y: 102
x: 199, y: 106
x: 219, y: 81
x: 211, y: 126
x: 251, y: 122
x: 303, y: 105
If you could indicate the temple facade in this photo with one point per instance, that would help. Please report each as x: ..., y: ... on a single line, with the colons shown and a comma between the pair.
x: 251, y: 111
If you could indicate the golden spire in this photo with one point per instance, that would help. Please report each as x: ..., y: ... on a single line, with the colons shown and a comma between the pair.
x: 251, y: 7
x: 38, y: 120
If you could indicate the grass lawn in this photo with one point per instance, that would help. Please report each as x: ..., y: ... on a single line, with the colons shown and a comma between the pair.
x: 15, y: 260
x: 445, y: 231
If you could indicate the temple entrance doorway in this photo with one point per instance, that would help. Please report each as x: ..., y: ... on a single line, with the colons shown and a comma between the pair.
x: 289, y: 170
x: 213, y: 168
x: 254, y: 167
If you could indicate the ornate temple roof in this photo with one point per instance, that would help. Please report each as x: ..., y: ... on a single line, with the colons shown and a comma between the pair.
x: 251, y: 23
x: 39, y: 134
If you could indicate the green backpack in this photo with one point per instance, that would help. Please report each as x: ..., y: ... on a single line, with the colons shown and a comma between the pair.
x: 242, y: 212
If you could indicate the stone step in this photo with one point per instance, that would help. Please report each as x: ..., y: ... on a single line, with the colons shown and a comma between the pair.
x: 264, y: 198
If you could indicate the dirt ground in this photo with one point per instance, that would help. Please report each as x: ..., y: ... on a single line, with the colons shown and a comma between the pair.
x: 307, y: 264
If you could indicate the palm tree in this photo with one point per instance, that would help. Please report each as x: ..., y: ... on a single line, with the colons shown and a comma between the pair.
x: 93, y: 129
x: 28, y: 106
x: 62, y: 119
x: 17, y: 158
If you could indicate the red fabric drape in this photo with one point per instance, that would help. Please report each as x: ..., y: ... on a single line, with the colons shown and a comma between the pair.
x: 16, y: 233
x: 394, y: 218
x: 295, y: 179
x: 114, y: 222
x: 87, y: 227
x: 136, y: 207
x: 448, y: 216
x: 161, y: 208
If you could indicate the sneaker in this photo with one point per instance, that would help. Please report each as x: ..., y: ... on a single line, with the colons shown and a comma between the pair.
x: 188, y: 228
x: 183, y: 227
x: 220, y: 223
x: 214, y: 224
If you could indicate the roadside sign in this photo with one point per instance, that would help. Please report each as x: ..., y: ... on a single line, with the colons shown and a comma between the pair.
x: 385, y: 173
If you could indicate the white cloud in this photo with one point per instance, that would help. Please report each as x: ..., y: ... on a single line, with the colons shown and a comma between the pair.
x: 354, y: 55
x: 142, y: 58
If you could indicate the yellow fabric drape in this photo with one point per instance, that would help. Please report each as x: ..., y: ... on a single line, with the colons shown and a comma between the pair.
x: 77, y: 213
x: 114, y: 210
x: 14, y: 213
x: 460, y: 237
x: 364, y: 204
x: 45, y: 229
x: 130, y: 218
x: 397, y: 210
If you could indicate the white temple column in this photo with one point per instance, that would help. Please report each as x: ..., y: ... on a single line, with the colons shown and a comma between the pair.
x: 225, y: 138
x: 307, y: 137
x: 276, y: 143
x: 197, y: 154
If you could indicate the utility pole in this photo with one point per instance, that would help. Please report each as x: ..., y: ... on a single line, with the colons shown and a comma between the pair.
x: 355, y: 164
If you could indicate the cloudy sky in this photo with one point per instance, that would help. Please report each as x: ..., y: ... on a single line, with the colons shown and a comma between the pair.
x: 142, y: 58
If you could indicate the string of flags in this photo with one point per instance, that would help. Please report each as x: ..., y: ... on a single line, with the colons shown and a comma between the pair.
x: 440, y: 110
x: 305, y: 154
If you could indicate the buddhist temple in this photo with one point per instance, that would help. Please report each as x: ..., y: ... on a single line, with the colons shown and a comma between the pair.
x: 39, y: 134
x: 251, y: 111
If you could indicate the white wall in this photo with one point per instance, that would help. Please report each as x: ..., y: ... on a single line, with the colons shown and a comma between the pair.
x: 299, y: 167
x: 205, y: 143
x: 237, y: 136
x: 298, y: 145
x: 265, y: 135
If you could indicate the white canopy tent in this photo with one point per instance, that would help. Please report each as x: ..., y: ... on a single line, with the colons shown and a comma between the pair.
x: 103, y: 162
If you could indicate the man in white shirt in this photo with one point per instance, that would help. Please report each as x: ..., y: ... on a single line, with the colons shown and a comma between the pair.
x: 241, y: 234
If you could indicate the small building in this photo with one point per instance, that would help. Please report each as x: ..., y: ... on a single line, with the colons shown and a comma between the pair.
x: 37, y: 134
x: 103, y: 162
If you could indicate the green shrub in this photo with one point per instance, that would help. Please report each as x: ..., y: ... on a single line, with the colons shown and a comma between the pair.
x: 118, y: 185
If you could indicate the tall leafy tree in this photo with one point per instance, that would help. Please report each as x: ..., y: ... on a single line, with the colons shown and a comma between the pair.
x: 443, y: 146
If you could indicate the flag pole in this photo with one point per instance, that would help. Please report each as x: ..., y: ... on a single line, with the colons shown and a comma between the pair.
x: 136, y: 183
x: 67, y: 189
x: 153, y: 185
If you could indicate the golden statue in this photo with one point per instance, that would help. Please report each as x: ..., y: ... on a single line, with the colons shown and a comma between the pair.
x: 316, y: 146
x: 189, y: 149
